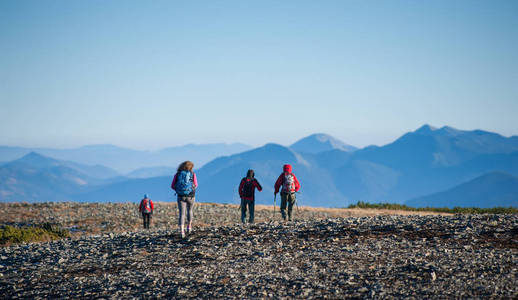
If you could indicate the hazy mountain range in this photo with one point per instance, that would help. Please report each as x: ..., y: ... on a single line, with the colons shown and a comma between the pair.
x: 36, y: 178
x: 125, y: 160
x: 489, y: 190
x: 426, y: 167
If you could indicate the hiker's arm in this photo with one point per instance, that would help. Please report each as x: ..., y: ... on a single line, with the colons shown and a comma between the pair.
x: 174, y: 182
x: 258, y: 185
x: 195, y: 180
x: 297, y: 184
x: 152, y: 205
x: 278, y: 184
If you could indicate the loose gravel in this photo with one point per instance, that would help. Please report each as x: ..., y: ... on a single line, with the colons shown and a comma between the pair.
x: 460, y: 256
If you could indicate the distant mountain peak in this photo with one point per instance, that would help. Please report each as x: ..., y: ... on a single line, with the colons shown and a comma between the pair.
x: 273, y: 146
x: 445, y: 130
x: 426, y: 129
x: 36, y: 158
x: 448, y: 131
x: 33, y: 154
x: 321, y: 137
x: 320, y: 142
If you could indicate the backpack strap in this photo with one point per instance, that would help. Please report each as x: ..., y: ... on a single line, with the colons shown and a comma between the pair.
x: 284, y: 177
x: 177, y: 177
x: 242, y: 185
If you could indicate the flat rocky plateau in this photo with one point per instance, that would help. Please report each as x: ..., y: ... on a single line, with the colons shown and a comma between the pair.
x: 381, y: 256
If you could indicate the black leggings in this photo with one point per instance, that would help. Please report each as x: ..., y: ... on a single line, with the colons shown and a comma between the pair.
x: 147, y: 219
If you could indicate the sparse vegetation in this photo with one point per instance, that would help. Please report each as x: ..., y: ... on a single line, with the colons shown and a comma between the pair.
x: 455, y: 210
x: 26, y: 234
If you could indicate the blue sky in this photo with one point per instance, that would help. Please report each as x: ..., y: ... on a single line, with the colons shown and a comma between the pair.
x: 149, y: 74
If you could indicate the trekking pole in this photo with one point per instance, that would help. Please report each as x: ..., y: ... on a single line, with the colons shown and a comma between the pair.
x: 297, y: 202
x: 234, y: 197
x: 274, y: 203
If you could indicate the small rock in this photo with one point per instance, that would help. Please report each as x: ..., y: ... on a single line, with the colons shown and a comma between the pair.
x: 433, y: 276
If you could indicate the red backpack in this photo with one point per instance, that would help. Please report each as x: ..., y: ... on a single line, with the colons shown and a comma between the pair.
x: 146, y: 205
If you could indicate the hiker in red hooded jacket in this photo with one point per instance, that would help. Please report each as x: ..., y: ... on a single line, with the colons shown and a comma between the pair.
x: 146, y: 207
x: 290, y: 185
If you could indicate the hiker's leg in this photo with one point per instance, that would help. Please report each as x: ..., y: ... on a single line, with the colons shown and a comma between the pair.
x: 144, y: 219
x: 284, y: 199
x: 149, y: 217
x: 291, y: 201
x: 251, y: 208
x: 190, y: 210
x: 182, y: 206
x: 243, y: 210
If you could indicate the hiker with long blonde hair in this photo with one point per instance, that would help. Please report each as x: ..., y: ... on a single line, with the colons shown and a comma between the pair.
x: 185, y: 184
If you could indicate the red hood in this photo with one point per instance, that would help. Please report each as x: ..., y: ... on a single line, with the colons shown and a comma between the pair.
x: 287, y: 168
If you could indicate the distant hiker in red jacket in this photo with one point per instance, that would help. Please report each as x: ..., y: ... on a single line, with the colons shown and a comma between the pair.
x: 247, y: 193
x: 146, y: 207
x: 185, y: 184
x: 290, y: 185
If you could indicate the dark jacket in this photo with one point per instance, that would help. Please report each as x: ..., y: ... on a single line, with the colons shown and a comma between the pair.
x: 255, y: 185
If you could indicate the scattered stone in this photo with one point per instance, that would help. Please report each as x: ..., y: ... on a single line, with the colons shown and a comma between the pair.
x: 354, y: 257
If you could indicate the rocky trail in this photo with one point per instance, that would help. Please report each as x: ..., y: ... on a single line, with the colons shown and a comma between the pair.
x: 83, y: 219
x: 384, y: 256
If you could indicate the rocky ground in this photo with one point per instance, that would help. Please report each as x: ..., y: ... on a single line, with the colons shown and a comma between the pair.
x: 94, y: 218
x: 384, y: 256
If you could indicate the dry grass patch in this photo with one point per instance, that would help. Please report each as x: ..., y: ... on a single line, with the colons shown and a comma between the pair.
x: 27, y: 234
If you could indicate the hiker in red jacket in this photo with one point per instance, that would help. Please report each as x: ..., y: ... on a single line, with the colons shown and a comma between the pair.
x: 247, y: 193
x: 146, y: 207
x: 290, y: 185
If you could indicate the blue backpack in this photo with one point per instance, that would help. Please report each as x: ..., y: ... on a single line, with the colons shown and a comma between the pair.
x: 184, y: 183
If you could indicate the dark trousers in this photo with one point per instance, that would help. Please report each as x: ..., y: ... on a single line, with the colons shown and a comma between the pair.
x: 251, y: 206
x: 147, y: 219
x: 289, y: 200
